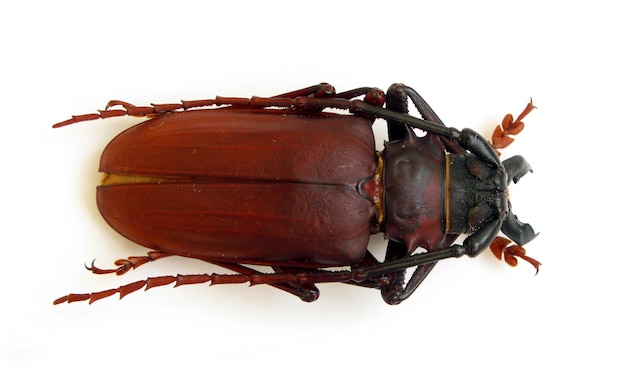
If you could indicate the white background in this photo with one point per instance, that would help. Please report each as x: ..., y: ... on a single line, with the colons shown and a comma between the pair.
x: 474, y: 321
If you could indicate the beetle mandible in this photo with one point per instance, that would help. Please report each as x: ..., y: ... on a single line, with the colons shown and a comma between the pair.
x: 281, y: 182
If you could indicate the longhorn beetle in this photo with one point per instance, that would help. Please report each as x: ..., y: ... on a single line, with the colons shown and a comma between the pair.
x: 282, y: 182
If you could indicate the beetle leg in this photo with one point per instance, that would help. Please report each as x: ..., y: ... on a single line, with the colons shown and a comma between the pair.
x: 282, y: 279
x: 128, y: 109
x: 309, y: 98
x: 319, y: 90
x: 130, y: 263
x: 395, y: 251
x: 284, y: 100
x: 288, y: 100
x: 371, y: 95
x: 396, y: 291
x: 314, y: 99
x: 398, y: 96
x: 294, y: 281
x: 306, y: 292
x: 299, y: 284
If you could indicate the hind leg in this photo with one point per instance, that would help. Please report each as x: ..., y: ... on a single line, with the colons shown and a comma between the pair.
x: 286, y: 100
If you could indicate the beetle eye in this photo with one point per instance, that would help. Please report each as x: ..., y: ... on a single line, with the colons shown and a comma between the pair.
x: 478, y: 168
x: 477, y: 216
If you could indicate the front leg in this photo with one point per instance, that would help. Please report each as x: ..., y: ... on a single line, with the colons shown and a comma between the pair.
x: 398, y: 96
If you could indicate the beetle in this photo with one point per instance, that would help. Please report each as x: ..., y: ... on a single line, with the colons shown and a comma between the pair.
x: 282, y: 182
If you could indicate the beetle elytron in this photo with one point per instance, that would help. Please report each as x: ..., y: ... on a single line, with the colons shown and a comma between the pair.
x: 282, y: 182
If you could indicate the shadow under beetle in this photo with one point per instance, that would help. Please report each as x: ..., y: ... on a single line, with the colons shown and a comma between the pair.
x: 281, y: 182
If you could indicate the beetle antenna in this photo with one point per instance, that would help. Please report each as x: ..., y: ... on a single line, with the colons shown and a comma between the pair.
x: 132, y: 287
x: 282, y: 281
x: 504, y: 248
x: 502, y: 135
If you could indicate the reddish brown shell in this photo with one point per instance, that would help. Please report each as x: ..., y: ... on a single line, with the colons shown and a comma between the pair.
x: 257, y: 187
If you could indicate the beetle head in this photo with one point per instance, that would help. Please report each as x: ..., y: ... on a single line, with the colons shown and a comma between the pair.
x: 475, y: 193
x: 477, y: 201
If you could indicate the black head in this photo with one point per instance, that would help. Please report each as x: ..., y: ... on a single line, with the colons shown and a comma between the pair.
x: 477, y: 201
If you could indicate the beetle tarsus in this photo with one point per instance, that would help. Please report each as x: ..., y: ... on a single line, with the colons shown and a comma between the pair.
x: 127, y: 264
x: 310, y: 296
x: 96, y: 270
